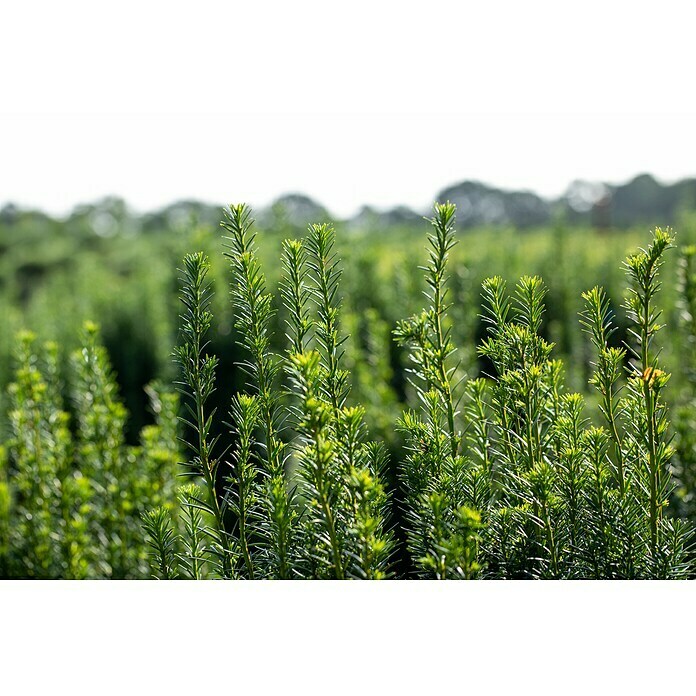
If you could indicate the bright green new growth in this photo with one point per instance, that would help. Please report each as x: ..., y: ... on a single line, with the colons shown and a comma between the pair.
x: 502, y: 473
x: 72, y: 491
x: 40, y: 448
x: 440, y: 531
x: 301, y: 495
x: 253, y: 316
x: 556, y: 496
x: 197, y: 385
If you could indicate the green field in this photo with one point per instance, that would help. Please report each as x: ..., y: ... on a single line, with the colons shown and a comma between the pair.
x: 496, y: 458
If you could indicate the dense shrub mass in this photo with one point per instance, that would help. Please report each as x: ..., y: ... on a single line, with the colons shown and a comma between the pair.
x: 492, y: 434
x: 72, y: 491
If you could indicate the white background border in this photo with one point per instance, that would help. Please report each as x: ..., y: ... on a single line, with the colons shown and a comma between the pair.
x: 546, y: 62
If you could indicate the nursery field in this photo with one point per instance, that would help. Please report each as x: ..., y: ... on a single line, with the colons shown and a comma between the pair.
x: 318, y: 399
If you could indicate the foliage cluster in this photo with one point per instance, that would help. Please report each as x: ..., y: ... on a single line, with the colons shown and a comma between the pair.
x: 72, y: 491
x: 491, y: 437
x: 504, y: 475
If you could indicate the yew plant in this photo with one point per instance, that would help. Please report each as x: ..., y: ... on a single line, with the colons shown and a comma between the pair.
x: 72, y: 491
x: 299, y: 495
x: 505, y: 474
x: 493, y: 468
x: 552, y: 494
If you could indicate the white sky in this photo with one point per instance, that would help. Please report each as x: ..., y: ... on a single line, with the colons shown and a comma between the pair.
x: 362, y: 103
